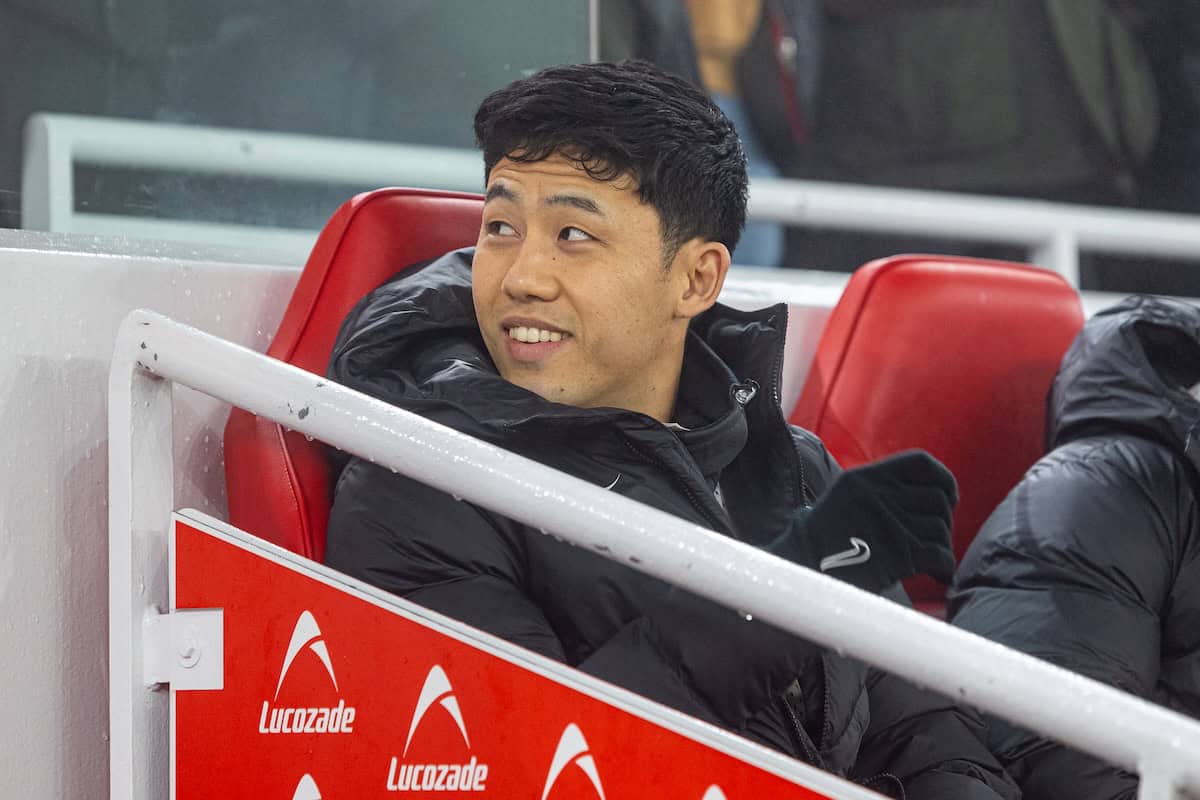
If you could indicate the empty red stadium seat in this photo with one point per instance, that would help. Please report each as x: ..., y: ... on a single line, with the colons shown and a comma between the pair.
x: 279, y: 483
x: 951, y: 355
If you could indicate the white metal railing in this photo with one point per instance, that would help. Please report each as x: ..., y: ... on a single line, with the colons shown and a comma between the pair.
x: 55, y: 143
x: 1054, y: 233
x: 153, y: 351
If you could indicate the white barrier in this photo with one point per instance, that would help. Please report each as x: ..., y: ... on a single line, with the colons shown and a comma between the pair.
x: 1055, y: 233
x: 153, y: 351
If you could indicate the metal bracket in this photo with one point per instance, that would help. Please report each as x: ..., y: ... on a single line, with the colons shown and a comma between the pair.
x: 185, y: 648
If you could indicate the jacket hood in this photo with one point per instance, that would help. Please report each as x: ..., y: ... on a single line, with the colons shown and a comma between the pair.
x: 1130, y: 369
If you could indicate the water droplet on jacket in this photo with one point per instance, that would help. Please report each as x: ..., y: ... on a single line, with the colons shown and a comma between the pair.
x: 748, y: 617
x: 307, y: 438
x: 459, y: 499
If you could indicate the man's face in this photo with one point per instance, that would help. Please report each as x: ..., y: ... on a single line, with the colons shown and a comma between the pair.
x: 570, y: 290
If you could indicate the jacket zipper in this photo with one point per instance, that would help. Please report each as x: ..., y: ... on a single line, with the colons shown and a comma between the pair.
x: 806, y: 495
x: 897, y: 784
x: 803, y: 740
x: 681, y: 482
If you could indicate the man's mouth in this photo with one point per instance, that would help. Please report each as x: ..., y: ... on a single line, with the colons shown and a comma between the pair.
x: 531, y: 335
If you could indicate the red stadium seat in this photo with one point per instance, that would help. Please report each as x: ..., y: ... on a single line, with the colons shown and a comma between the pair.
x: 951, y: 355
x: 279, y: 483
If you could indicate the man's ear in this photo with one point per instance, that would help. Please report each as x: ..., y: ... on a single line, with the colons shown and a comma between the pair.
x: 702, y: 265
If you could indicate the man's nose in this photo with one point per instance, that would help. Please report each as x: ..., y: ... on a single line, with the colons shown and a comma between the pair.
x: 533, y: 273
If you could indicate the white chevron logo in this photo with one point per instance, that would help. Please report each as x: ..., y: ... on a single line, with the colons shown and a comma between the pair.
x: 437, y: 689
x: 307, y: 789
x: 713, y: 793
x: 305, y: 634
x: 572, y: 749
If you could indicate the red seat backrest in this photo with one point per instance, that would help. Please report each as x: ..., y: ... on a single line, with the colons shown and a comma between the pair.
x: 278, y: 482
x: 950, y: 355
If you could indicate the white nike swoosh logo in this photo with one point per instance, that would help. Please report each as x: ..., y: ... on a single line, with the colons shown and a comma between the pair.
x: 859, y: 553
x: 614, y: 483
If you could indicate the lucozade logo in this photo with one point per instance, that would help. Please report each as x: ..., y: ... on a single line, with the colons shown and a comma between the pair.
x: 470, y: 776
x: 306, y: 636
x: 572, y: 749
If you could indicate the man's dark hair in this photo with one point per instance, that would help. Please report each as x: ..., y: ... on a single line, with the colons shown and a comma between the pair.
x: 629, y: 119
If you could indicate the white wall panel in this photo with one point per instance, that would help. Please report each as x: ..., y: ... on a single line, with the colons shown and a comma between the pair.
x: 59, y: 312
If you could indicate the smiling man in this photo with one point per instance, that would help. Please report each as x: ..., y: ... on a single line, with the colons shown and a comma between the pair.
x: 583, y: 331
x: 610, y: 336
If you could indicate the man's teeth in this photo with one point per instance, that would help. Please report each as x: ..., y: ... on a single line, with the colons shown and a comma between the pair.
x: 523, y: 334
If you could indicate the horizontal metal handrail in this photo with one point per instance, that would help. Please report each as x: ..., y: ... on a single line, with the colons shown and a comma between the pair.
x: 55, y: 143
x: 1055, y: 233
x: 1127, y: 731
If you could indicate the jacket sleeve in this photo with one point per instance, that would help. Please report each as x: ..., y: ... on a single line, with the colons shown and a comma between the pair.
x: 454, y: 558
x: 935, y: 748
x: 1074, y: 567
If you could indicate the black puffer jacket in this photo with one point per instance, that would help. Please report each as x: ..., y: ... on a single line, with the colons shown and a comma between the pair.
x: 414, y: 342
x: 1093, y: 561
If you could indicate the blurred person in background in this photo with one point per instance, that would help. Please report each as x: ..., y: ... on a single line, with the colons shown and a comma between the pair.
x: 1047, y: 99
x: 1037, y: 98
x: 757, y: 59
x: 1093, y: 561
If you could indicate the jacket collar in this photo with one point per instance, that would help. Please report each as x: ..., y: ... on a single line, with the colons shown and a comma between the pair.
x: 415, y: 342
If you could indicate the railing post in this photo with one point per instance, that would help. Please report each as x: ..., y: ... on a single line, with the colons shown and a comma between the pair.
x: 1061, y: 254
x: 47, y: 177
x: 141, y: 499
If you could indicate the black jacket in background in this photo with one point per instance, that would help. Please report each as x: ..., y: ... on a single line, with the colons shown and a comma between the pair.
x: 414, y: 342
x: 1093, y: 561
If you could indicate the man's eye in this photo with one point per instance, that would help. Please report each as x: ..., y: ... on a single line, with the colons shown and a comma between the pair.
x: 500, y: 229
x: 573, y: 235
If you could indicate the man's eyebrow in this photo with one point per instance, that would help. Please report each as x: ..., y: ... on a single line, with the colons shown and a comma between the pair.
x: 582, y: 202
x: 499, y: 192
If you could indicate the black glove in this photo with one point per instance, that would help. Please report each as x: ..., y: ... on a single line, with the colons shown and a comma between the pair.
x: 879, y: 523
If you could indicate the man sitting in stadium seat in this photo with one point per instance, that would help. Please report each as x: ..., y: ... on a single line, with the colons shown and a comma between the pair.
x: 1093, y: 561
x: 583, y: 332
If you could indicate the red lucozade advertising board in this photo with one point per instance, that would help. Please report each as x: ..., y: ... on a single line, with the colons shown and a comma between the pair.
x: 330, y: 692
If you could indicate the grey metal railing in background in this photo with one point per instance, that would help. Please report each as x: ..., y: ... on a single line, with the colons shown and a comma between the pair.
x: 1054, y: 233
